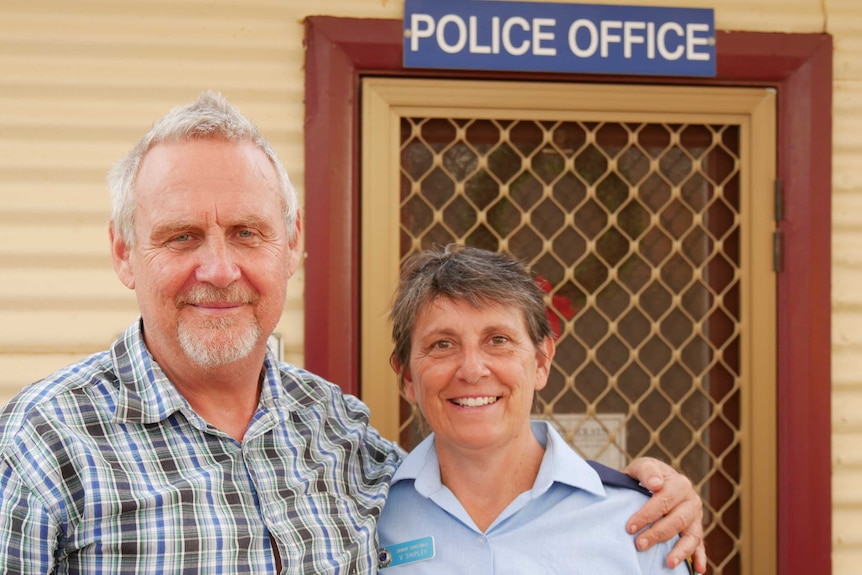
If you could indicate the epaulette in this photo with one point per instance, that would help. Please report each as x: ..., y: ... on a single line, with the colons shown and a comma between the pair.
x: 614, y: 478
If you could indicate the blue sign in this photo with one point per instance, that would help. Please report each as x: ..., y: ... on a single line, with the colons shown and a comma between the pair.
x: 552, y: 37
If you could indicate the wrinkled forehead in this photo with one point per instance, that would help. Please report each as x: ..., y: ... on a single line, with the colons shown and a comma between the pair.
x: 437, y: 305
x: 207, y: 180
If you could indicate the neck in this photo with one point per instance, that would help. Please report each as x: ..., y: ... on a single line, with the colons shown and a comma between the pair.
x: 226, y: 397
x: 474, y: 476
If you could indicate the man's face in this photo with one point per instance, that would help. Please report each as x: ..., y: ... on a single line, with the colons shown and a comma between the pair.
x: 211, y: 257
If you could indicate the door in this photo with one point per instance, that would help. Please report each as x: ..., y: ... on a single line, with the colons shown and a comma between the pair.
x: 647, y: 214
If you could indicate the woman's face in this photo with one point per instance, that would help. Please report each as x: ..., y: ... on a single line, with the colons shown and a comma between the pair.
x: 473, y: 372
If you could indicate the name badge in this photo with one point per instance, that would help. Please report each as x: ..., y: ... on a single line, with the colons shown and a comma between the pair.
x: 406, y: 553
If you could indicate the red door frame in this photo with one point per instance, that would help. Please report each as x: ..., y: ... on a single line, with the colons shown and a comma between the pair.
x: 339, y: 51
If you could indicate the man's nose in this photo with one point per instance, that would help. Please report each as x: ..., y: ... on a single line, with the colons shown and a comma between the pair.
x: 218, y: 264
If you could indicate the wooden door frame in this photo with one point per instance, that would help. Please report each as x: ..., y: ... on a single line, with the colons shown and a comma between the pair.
x: 339, y: 51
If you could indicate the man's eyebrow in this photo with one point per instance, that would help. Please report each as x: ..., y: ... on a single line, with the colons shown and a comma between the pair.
x: 177, y: 226
x: 251, y: 221
x: 171, y: 227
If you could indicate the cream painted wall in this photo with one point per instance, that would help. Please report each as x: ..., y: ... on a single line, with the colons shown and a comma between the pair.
x: 81, y: 80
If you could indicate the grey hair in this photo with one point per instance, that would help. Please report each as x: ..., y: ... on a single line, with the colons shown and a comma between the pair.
x: 211, y: 116
x: 476, y: 276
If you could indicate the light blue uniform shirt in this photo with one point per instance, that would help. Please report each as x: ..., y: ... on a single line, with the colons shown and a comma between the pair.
x: 567, y: 523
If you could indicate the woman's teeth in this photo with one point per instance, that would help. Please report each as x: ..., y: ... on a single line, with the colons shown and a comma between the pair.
x: 474, y: 401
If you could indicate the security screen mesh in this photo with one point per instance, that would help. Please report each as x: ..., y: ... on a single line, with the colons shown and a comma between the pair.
x: 634, y: 232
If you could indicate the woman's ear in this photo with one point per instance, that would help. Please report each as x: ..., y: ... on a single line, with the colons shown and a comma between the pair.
x: 544, y: 358
x: 409, y: 388
x: 405, y: 378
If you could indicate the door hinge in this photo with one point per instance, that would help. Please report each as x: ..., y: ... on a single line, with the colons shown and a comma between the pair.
x: 777, y: 243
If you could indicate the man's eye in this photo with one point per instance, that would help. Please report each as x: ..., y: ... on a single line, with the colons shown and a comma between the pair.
x: 182, y: 238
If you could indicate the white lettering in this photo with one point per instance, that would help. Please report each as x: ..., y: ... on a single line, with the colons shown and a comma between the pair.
x: 539, y: 35
x: 607, y: 37
x: 475, y: 48
x: 416, y: 33
x: 650, y: 49
x: 517, y: 36
x: 495, y: 34
x: 507, y: 36
x: 441, y: 33
x: 629, y: 37
x: 662, y: 41
x: 573, y: 38
x: 691, y: 41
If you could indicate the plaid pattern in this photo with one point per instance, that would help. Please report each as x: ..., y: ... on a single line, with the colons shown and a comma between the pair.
x: 105, y: 468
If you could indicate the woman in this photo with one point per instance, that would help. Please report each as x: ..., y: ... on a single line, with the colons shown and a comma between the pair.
x: 490, y: 491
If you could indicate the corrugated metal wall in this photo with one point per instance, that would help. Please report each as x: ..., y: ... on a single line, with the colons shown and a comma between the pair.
x: 844, y: 22
x: 81, y: 80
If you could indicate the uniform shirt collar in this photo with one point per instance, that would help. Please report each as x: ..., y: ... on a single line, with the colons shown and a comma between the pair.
x: 560, y: 464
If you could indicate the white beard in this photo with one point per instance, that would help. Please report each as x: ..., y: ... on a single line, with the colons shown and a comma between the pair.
x: 215, y: 342
x: 219, y: 342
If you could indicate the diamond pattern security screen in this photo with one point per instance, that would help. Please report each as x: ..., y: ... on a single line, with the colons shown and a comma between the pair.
x: 634, y: 231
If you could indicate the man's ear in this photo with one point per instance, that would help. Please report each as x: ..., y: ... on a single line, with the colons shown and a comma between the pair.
x: 121, y: 258
x: 294, y: 256
x: 544, y: 358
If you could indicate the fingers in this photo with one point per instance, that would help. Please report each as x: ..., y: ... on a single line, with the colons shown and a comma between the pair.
x: 688, y: 546
x: 700, y: 559
x: 680, y: 520
x: 690, y: 540
x: 650, y: 472
x: 674, y: 509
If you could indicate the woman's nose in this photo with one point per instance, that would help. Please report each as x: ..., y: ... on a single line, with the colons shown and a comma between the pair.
x: 473, y: 366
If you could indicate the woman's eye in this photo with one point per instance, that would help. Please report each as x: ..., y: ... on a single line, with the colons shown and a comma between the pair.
x: 499, y: 339
x: 442, y: 344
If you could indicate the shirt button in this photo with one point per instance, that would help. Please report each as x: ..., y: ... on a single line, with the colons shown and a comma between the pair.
x: 481, y: 540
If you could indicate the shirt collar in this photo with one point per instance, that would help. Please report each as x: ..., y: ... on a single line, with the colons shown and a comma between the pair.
x: 146, y: 395
x: 560, y: 464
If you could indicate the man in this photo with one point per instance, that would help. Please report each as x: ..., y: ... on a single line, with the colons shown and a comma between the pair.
x: 186, y: 447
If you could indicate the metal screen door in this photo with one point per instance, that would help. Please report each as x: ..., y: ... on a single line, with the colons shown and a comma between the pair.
x: 643, y: 216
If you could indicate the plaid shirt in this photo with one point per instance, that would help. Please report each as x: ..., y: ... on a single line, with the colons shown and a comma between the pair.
x: 105, y: 468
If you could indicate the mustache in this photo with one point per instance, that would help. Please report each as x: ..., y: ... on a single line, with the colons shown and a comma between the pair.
x: 207, y: 294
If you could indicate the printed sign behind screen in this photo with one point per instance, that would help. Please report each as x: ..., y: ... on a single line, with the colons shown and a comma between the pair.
x: 550, y: 37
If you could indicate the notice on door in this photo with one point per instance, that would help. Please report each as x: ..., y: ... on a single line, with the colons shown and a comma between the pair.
x: 601, y: 437
x: 553, y: 37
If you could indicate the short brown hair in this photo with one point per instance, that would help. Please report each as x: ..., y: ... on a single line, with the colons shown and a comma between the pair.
x: 468, y: 274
